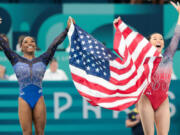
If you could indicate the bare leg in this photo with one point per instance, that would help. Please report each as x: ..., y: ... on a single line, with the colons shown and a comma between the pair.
x: 147, y: 115
x: 39, y: 116
x: 25, y: 117
x: 162, y: 118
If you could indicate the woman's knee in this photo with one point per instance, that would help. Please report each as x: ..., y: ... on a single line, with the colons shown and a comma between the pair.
x: 26, y: 128
x: 27, y: 131
x: 162, y: 132
x: 148, y: 132
x: 39, y: 130
x: 148, y: 128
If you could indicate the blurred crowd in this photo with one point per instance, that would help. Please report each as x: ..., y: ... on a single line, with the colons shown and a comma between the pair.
x: 141, y: 1
x: 87, y: 1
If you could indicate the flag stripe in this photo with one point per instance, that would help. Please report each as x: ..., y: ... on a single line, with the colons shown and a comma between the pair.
x: 95, y: 86
x: 123, y: 70
x: 135, y: 43
x: 126, y: 32
x: 99, y: 102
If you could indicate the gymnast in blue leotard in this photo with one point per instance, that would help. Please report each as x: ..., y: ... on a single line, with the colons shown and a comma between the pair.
x: 30, y: 71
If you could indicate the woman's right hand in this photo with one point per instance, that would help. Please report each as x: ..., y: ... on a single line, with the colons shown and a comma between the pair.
x: 116, y: 21
x: 70, y: 19
x: 176, y: 6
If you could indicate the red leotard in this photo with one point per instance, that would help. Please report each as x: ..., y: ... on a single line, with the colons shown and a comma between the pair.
x: 157, y: 91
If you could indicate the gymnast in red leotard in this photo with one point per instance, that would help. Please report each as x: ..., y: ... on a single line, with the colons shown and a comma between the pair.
x: 153, y: 105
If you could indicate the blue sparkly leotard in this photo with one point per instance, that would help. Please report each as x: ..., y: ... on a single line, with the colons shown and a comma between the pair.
x: 31, y: 72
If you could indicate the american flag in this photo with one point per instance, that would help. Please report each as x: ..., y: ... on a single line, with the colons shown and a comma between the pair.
x: 108, y: 80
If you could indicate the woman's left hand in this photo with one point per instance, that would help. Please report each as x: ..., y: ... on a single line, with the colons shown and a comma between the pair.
x: 116, y: 21
x: 70, y: 19
x: 176, y: 6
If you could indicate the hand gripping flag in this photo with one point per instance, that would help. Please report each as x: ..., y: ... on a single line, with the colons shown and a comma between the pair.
x: 108, y: 80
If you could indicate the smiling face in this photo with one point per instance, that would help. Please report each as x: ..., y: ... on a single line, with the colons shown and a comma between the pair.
x: 157, y: 40
x: 28, y: 45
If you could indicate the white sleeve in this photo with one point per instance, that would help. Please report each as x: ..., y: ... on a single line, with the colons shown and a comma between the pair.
x: 64, y: 76
x: 12, y: 77
x: 46, y: 76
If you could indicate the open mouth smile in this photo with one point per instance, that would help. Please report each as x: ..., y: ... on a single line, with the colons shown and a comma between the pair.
x: 158, y: 46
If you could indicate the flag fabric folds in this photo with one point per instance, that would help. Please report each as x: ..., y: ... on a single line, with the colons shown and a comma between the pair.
x: 113, y: 81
